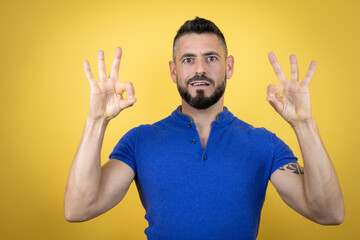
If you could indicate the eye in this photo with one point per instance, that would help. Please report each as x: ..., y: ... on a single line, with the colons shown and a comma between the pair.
x: 212, y: 58
x: 188, y: 60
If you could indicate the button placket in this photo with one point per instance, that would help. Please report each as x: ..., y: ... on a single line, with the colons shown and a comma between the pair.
x: 194, y: 138
x: 211, y: 136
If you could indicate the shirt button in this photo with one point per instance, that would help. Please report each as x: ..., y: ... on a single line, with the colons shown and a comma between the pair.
x: 189, y: 125
x: 205, y: 157
x: 193, y: 141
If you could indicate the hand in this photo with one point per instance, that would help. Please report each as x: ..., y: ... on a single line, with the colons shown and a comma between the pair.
x: 106, y: 100
x: 291, y: 99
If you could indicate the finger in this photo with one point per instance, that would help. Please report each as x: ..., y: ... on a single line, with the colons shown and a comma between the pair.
x: 271, y: 90
x: 88, y: 73
x: 101, y: 66
x: 294, y: 68
x: 310, y: 73
x: 116, y: 63
x: 277, y: 69
x: 128, y: 87
x: 276, y: 91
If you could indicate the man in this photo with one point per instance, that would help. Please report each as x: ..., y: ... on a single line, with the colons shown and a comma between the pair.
x: 202, y: 173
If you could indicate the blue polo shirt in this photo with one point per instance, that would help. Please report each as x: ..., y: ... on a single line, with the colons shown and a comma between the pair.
x: 193, y: 193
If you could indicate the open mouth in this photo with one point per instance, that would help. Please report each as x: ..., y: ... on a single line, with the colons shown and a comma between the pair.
x: 200, y: 84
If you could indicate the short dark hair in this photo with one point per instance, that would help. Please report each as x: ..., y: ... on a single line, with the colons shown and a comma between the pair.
x: 199, y: 26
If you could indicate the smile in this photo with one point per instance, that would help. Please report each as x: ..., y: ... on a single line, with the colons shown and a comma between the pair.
x: 200, y: 84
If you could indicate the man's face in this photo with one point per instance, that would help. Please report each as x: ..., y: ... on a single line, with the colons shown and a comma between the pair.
x: 200, y: 69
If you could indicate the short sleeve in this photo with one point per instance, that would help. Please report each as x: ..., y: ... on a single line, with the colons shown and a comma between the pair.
x: 282, y: 153
x: 125, y: 149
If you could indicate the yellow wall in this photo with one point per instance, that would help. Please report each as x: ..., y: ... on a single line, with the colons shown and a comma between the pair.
x: 44, y: 98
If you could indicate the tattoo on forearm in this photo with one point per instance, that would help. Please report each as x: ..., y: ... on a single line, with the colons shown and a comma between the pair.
x: 294, y: 167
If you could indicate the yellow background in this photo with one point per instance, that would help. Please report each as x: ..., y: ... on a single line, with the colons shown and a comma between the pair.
x: 44, y: 98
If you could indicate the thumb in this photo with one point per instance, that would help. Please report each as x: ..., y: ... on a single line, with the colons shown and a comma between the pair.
x: 274, y: 102
x: 125, y: 103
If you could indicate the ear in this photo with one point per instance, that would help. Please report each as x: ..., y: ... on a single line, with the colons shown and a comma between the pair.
x: 172, y: 67
x: 229, y: 66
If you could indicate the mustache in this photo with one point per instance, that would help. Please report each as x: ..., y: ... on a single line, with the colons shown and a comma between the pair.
x: 200, y: 77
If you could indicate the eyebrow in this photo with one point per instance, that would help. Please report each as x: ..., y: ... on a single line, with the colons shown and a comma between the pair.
x: 211, y: 53
x: 187, y: 55
x: 194, y: 55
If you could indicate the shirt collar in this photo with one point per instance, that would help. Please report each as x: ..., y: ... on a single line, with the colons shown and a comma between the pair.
x: 222, y: 118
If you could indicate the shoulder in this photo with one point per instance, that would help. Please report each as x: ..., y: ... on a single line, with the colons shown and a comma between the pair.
x: 165, y: 124
x: 248, y: 129
x: 257, y: 137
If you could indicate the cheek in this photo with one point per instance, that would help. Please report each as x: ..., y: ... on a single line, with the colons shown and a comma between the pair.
x: 184, y: 74
x: 218, y: 73
x: 217, y: 67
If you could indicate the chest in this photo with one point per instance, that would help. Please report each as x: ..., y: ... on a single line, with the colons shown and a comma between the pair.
x: 179, y: 168
x: 204, y: 135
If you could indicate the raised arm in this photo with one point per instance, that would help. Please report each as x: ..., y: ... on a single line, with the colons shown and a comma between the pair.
x: 313, y: 191
x: 91, y: 189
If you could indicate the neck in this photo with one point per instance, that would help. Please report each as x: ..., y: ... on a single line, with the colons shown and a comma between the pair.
x: 203, y: 117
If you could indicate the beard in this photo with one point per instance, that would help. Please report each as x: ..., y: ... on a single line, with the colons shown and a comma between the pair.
x: 200, y: 101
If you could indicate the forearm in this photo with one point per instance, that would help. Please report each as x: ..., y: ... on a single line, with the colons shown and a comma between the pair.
x: 322, y: 189
x: 84, y: 177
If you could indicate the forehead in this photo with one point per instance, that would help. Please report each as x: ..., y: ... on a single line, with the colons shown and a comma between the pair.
x: 198, y: 43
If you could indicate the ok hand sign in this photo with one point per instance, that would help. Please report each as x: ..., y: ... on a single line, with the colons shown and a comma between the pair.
x: 291, y: 99
x: 106, y: 100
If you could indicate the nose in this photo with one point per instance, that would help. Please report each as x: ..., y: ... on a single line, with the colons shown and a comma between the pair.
x: 200, y: 67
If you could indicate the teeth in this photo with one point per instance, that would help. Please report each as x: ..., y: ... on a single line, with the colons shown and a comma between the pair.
x: 198, y: 84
